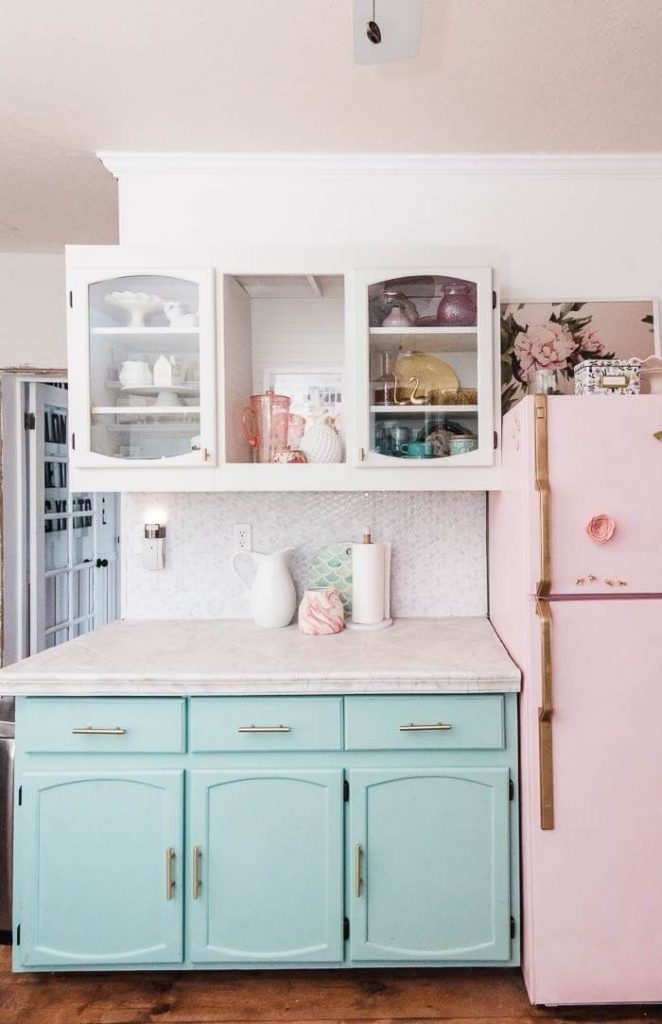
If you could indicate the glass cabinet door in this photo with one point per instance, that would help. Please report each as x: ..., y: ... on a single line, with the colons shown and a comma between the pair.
x: 150, y: 372
x: 427, y: 373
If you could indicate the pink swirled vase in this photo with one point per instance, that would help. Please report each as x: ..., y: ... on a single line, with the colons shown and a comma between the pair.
x: 321, y: 612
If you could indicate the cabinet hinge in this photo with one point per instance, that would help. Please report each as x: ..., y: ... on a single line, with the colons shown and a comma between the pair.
x: 20, y: 796
x: 495, y: 440
x: 71, y: 300
x: 18, y: 934
x: 345, y: 928
x: 494, y: 300
x: 512, y: 927
x: 29, y: 421
x: 345, y: 790
x: 511, y: 789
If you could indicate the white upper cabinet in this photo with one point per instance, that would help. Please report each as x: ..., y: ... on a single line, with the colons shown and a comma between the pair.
x: 426, y: 369
x: 284, y: 371
x: 142, y: 368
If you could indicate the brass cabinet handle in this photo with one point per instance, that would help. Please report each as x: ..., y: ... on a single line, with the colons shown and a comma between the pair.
x: 426, y: 727
x: 357, y: 870
x: 90, y: 730
x: 264, y: 728
x: 616, y: 583
x: 195, y: 873
x: 170, y: 873
x: 545, y: 712
x: 542, y: 486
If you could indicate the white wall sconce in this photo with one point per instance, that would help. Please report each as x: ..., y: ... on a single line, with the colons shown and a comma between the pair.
x: 154, y: 546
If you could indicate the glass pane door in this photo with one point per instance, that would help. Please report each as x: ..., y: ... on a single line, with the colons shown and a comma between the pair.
x: 144, y: 339
x: 73, y: 536
x: 423, y: 364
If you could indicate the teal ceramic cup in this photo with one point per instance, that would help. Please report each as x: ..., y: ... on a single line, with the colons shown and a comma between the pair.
x: 417, y: 449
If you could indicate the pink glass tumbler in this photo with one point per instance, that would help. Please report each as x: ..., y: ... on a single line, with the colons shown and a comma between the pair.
x: 266, y: 424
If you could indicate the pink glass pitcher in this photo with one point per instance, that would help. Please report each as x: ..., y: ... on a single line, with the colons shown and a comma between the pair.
x: 266, y: 423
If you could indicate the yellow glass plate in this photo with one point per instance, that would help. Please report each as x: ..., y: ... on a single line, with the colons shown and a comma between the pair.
x: 433, y: 375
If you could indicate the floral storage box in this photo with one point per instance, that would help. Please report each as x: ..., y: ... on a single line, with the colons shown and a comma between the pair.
x: 607, y: 377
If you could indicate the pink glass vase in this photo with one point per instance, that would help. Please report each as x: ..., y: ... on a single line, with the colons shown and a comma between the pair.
x: 266, y: 424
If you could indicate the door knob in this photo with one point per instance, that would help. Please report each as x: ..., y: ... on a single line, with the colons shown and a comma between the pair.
x: 102, y: 563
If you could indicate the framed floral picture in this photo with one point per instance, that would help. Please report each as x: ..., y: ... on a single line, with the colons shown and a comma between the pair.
x: 558, y: 335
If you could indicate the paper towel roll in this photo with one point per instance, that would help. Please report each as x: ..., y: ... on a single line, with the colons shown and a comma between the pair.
x: 368, y: 583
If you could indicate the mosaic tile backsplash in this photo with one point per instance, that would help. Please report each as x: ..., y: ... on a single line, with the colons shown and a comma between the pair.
x: 439, y: 557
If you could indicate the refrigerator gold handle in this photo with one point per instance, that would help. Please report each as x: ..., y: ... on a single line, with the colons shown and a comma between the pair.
x: 545, y: 712
x: 542, y: 486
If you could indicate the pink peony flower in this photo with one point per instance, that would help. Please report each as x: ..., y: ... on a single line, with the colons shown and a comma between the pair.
x: 589, y: 341
x: 601, y: 528
x: 544, y: 347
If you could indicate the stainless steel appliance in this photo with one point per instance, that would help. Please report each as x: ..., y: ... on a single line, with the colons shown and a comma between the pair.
x: 6, y: 814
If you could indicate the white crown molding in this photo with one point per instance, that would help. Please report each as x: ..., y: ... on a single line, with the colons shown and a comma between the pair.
x: 580, y: 165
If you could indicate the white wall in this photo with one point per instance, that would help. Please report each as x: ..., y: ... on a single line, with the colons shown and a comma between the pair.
x: 32, y: 310
x: 575, y: 228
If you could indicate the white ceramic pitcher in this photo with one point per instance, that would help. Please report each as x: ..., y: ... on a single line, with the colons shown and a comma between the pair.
x: 273, y: 599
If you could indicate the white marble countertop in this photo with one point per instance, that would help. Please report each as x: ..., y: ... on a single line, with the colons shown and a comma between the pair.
x: 229, y: 656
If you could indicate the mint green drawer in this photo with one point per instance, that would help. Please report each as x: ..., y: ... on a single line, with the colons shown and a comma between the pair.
x: 257, y: 724
x: 445, y: 722
x: 101, y: 725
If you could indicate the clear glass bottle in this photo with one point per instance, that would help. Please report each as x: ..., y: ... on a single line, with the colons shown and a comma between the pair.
x: 384, y: 385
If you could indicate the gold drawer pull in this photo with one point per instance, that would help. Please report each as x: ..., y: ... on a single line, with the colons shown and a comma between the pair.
x: 616, y: 583
x: 195, y: 874
x: 426, y: 727
x: 90, y: 730
x: 265, y: 728
x: 170, y: 873
x: 357, y: 870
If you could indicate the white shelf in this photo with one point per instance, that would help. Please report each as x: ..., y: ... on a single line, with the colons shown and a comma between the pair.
x: 153, y: 428
x: 145, y: 410
x: 424, y: 339
x: 139, y: 332
x: 423, y: 330
x: 416, y: 410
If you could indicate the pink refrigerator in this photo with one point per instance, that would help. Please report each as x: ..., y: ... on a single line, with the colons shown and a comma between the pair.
x: 575, y: 568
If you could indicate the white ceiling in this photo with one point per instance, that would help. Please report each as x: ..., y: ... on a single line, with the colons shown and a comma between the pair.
x: 77, y: 76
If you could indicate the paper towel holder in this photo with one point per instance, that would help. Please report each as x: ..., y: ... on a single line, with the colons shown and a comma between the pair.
x: 386, y: 621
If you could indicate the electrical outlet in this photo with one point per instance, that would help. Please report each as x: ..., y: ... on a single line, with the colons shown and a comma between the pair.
x: 242, y: 536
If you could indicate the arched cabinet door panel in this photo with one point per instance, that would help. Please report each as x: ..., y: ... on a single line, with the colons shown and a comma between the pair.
x: 429, y: 864
x: 101, y: 875
x: 266, y: 865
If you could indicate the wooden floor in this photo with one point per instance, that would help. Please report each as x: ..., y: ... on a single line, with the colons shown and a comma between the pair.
x: 285, y: 997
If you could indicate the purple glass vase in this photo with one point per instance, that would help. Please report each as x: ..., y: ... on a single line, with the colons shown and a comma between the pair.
x: 457, y: 307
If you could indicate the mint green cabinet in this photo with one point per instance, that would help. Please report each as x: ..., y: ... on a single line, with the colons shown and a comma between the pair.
x: 222, y: 833
x: 267, y: 865
x: 100, y: 867
x: 430, y: 864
